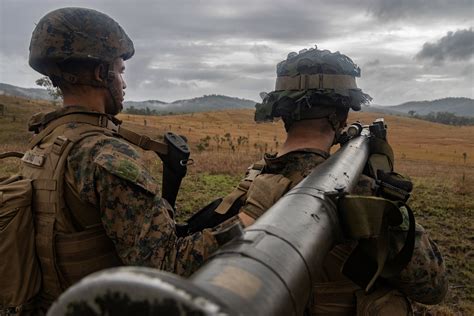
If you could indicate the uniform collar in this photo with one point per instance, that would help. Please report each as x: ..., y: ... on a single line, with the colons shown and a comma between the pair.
x: 274, y: 162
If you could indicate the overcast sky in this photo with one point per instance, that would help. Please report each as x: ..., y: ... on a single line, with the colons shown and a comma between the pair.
x: 407, y: 49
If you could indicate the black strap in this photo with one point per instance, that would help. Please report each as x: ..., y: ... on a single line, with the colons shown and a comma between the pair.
x: 9, y: 154
x: 394, y: 266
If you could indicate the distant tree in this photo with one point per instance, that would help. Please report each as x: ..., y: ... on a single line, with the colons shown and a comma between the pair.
x: 411, y: 113
x: 447, y: 118
x: 53, y: 91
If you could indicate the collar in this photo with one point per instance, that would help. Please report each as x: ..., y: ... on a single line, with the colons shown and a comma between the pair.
x: 274, y: 162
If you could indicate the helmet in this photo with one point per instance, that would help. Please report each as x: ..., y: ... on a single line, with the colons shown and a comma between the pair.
x: 76, y: 34
x: 312, y: 84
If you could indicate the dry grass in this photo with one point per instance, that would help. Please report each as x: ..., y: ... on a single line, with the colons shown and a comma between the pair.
x: 438, y: 158
x: 411, y: 139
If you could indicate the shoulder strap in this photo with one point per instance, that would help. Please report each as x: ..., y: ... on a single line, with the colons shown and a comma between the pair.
x: 9, y: 154
x: 252, y: 172
x: 103, y: 121
x: 143, y: 141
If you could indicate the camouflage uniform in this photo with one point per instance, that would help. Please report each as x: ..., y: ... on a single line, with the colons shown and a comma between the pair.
x: 423, y: 280
x: 109, y: 174
x: 94, y: 204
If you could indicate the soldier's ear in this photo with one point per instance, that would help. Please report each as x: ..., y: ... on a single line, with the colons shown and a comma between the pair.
x: 99, y: 73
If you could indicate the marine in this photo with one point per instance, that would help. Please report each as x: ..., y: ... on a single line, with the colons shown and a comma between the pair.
x: 313, y: 94
x: 95, y: 205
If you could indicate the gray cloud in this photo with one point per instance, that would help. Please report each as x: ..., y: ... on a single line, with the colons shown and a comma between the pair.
x: 421, y: 9
x: 398, y: 78
x: 457, y: 45
x: 187, y: 48
x: 372, y: 63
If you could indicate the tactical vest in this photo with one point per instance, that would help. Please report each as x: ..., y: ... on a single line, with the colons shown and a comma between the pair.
x: 68, y: 250
x: 333, y: 293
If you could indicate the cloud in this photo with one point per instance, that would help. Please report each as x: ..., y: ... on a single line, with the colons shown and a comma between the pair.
x: 372, y: 63
x: 420, y: 9
x: 397, y: 79
x: 455, y: 46
x: 187, y: 48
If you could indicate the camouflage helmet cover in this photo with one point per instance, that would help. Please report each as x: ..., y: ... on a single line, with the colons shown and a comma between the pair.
x: 311, y: 84
x: 77, y: 33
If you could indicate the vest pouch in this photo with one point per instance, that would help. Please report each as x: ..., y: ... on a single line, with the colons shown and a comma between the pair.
x: 383, y: 301
x: 334, y: 298
x: 265, y: 191
x: 82, y: 253
x: 19, y: 267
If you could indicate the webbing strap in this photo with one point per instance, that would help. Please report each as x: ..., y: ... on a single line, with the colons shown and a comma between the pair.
x: 9, y: 154
x: 236, y: 194
x: 103, y: 121
x: 316, y: 81
x: 45, y: 184
x: 396, y: 264
x: 143, y: 141
x: 49, y: 201
x: 242, y: 189
x: 96, y: 120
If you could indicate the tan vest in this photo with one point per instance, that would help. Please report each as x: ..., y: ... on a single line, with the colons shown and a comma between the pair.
x: 67, y: 255
x: 333, y: 293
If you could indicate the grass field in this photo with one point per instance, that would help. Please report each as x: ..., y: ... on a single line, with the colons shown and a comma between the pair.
x: 438, y: 158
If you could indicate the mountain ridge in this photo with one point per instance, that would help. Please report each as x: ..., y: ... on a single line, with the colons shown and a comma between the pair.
x: 460, y: 106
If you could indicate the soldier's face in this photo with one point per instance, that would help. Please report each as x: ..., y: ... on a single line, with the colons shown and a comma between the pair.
x: 119, y: 68
x: 116, y: 88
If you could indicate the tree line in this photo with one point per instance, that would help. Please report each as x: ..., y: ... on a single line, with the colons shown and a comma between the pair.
x: 146, y: 111
x: 447, y: 118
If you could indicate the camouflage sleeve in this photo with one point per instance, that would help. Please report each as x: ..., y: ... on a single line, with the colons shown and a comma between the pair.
x: 424, y: 279
x: 110, y: 174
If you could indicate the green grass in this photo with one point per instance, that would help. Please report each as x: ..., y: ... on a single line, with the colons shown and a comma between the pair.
x: 445, y: 207
x: 198, y: 190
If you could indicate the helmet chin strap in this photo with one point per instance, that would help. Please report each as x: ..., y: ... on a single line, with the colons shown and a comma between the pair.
x: 116, y: 106
x: 335, y: 124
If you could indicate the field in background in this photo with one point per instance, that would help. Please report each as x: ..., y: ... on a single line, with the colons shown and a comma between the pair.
x: 438, y: 158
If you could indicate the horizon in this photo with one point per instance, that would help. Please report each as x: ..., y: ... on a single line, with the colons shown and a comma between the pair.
x: 244, y: 99
x: 235, y: 97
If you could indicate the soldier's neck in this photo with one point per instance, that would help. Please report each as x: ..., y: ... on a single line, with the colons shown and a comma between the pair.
x: 292, y: 144
x: 307, y: 136
x: 93, y: 99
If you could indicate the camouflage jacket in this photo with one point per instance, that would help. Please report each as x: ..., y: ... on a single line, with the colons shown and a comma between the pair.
x: 109, y: 175
x: 423, y: 280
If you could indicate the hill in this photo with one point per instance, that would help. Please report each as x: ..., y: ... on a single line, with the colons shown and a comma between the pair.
x: 458, y: 106
x: 199, y: 104
x: 151, y: 104
x: 29, y: 93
